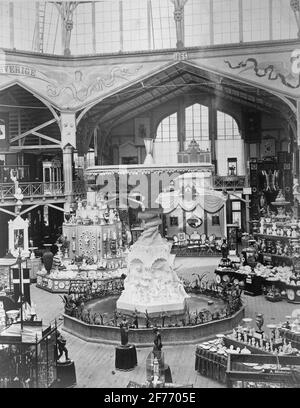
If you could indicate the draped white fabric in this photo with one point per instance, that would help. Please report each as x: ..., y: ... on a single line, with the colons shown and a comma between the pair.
x: 209, y: 200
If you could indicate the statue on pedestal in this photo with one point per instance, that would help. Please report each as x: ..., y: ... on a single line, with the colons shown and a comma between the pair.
x: 124, y: 331
x: 61, y: 345
x: 157, y: 343
x: 224, y: 249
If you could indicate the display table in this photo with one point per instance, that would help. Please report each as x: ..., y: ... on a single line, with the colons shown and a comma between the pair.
x: 253, y: 283
x: 271, y: 257
x: 293, y: 293
x: 270, y: 371
x: 211, y: 365
x: 66, y: 374
x: 126, y: 358
x: 224, y: 273
x: 57, y: 284
x: 291, y: 336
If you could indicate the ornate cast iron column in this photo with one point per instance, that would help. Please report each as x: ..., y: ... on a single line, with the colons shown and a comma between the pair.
x: 295, y: 5
x: 66, y: 10
x: 179, y: 21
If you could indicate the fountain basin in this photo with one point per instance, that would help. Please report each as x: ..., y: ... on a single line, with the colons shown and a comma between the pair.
x: 143, y: 337
x: 195, y: 303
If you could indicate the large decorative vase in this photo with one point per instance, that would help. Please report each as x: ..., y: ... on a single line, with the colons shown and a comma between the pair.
x: 259, y: 322
x: 151, y: 284
x: 48, y: 258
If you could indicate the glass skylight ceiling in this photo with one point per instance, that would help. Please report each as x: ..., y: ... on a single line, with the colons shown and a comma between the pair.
x: 110, y: 26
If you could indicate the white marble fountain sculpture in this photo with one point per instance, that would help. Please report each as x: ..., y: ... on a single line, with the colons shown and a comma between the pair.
x: 151, y: 284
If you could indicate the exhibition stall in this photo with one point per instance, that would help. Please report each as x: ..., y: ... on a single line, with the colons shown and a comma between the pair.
x: 252, y: 358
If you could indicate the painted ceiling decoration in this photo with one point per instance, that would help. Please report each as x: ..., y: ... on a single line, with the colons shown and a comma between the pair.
x: 80, y: 87
x: 272, y: 71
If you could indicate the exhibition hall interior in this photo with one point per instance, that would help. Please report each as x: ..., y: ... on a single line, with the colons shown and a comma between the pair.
x: 149, y: 194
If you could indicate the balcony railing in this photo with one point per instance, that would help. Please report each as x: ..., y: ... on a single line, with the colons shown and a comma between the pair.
x: 79, y: 188
x: 36, y: 189
x: 229, y: 182
x: 40, y: 190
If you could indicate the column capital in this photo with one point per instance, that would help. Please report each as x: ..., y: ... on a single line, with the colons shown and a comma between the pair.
x: 68, y: 148
x: 179, y: 21
x: 68, y: 129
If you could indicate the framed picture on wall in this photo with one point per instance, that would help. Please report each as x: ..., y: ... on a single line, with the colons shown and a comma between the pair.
x: 215, y: 220
x: 195, y: 222
x: 268, y: 148
x: 141, y: 130
x: 174, y: 221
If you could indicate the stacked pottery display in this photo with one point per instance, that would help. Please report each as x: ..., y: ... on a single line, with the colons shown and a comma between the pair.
x: 293, y: 288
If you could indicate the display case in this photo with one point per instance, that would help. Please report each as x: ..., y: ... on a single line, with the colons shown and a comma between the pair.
x: 263, y: 371
x: 93, y: 241
x: 28, y: 356
x: 155, y: 369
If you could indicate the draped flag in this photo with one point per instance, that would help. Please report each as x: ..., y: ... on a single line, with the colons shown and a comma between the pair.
x: 25, y: 285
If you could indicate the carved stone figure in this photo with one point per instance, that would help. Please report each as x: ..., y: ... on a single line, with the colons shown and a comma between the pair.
x: 61, y: 346
x: 124, y: 331
x: 151, y: 283
x: 157, y: 343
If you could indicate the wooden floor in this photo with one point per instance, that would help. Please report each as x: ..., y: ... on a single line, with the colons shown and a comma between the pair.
x: 95, y: 366
x: 95, y: 363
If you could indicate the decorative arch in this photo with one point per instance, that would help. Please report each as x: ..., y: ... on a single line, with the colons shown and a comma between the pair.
x: 51, y: 116
x: 27, y: 88
x: 228, y: 121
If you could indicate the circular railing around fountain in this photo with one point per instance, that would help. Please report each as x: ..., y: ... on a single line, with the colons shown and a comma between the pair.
x: 80, y: 320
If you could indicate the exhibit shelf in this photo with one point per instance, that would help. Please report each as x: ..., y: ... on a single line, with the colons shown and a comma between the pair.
x: 276, y: 256
x: 276, y: 237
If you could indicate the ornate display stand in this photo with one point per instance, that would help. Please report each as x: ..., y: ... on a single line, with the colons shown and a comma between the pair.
x: 278, y: 243
x: 93, y: 239
x: 61, y: 281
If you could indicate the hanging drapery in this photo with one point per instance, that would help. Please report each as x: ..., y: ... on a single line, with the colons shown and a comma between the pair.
x: 209, y: 200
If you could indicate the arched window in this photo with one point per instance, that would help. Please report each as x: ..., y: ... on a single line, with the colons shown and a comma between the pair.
x: 166, y: 142
x: 227, y: 127
x: 167, y: 129
x: 196, y: 123
x: 229, y: 147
